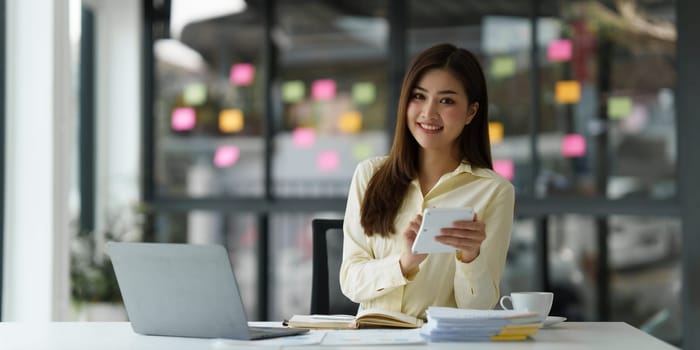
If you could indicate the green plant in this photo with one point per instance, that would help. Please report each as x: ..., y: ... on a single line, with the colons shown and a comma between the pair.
x: 92, y: 276
x: 91, y: 273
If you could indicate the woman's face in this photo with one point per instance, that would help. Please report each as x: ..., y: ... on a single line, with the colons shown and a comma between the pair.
x: 438, y: 110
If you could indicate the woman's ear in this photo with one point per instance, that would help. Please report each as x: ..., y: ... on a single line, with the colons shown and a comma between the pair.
x: 471, y: 112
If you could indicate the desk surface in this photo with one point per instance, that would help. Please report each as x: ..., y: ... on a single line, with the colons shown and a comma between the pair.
x: 119, y: 335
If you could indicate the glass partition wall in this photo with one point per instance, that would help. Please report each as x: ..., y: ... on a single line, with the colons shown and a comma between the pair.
x: 261, y: 111
x: 267, y: 116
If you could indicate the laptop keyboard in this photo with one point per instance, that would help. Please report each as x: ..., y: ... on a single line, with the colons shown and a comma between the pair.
x: 272, y: 332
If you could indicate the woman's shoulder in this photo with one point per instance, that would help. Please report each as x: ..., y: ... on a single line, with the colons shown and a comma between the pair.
x: 366, y: 169
x: 370, y: 165
x: 497, y: 179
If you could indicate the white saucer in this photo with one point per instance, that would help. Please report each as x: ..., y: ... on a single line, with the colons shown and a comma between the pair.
x: 552, y: 320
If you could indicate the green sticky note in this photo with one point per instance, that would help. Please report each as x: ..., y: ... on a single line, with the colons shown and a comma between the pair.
x: 619, y: 107
x: 195, y: 94
x: 364, y: 93
x: 362, y: 151
x: 503, y: 67
x: 293, y: 91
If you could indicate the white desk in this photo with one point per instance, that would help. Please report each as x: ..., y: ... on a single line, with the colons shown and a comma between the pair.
x: 119, y: 335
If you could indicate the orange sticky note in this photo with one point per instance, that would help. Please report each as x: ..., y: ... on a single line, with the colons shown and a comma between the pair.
x: 231, y: 120
x: 567, y: 91
x: 350, y: 122
x: 495, y: 132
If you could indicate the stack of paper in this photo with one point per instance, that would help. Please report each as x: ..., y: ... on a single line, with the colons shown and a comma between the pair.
x: 450, y: 324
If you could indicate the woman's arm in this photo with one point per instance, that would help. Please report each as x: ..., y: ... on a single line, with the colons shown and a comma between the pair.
x: 363, y: 276
x: 476, y: 283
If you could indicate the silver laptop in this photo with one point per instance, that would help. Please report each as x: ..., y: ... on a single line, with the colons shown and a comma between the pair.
x: 183, y: 290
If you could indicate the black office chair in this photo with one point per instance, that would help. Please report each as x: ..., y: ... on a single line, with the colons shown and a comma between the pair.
x: 326, y: 297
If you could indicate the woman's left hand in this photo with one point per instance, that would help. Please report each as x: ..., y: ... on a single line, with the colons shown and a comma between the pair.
x: 465, y: 236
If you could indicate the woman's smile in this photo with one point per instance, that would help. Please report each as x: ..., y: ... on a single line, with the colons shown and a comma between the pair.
x: 429, y: 128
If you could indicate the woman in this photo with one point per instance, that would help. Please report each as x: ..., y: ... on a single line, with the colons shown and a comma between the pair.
x: 440, y: 158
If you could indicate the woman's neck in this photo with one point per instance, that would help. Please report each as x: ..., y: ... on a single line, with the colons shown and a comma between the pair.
x: 432, y: 165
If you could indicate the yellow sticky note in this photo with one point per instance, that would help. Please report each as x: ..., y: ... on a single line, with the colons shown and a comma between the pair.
x: 495, y: 132
x: 350, y: 122
x: 567, y: 91
x: 231, y: 120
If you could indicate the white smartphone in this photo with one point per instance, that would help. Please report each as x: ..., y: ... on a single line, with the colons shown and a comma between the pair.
x: 433, y: 220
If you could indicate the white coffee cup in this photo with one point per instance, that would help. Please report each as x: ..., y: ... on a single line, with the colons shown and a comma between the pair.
x: 539, y: 302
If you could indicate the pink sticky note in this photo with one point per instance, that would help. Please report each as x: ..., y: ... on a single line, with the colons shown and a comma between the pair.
x: 242, y: 74
x: 504, y: 167
x: 183, y: 119
x: 323, y: 89
x: 328, y: 161
x: 226, y: 156
x: 559, y: 50
x: 573, y: 145
x: 303, y: 137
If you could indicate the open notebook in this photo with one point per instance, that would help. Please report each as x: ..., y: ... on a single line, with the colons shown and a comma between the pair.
x: 369, y: 318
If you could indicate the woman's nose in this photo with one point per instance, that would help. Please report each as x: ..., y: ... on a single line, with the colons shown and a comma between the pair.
x: 430, y: 109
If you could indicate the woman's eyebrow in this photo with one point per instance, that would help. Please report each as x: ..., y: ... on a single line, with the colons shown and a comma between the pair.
x: 441, y: 92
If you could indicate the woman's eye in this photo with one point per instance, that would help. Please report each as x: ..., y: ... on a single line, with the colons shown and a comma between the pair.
x: 418, y: 96
x: 448, y: 101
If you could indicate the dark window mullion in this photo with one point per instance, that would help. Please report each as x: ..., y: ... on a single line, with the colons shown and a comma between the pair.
x: 270, y: 70
x: 147, y: 118
x: 687, y: 126
x: 542, y: 236
x: 156, y: 20
x: 87, y: 122
x: 396, y: 55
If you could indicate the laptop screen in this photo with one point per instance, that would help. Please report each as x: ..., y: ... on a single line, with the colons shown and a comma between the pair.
x: 179, y: 290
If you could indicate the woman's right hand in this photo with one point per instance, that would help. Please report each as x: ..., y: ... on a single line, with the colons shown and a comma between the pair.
x: 409, y: 261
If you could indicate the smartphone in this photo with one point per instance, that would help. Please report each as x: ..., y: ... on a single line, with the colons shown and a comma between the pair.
x: 435, y: 219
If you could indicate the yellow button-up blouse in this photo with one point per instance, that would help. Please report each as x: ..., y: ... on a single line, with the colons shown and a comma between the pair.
x: 370, y: 273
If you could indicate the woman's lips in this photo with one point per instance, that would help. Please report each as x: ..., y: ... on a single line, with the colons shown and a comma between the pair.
x: 430, y: 128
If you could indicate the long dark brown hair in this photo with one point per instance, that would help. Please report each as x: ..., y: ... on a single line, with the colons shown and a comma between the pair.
x: 387, y: 188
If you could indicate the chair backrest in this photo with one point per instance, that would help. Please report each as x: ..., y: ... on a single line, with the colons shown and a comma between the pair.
x: 326, y: 297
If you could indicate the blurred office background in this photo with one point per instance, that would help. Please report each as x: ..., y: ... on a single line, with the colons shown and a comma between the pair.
x: 237, y: 122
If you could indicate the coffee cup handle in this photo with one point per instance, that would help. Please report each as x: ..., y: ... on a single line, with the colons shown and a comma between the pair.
x: 503, y: 298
